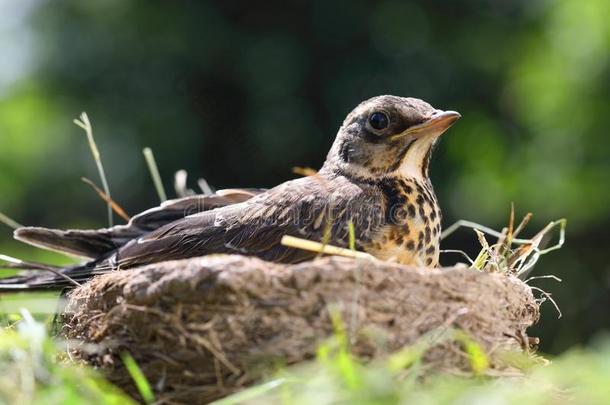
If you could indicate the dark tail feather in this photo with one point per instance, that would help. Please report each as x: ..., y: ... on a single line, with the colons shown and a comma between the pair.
x: 95, y: 243
x: 41, y: 276
x: 84, y: 243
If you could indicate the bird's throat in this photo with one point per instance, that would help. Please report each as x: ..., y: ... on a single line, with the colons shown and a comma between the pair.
x: 417, y: 159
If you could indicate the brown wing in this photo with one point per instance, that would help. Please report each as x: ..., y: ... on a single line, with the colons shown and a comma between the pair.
x: 303, y: 207
x: 99, y: 242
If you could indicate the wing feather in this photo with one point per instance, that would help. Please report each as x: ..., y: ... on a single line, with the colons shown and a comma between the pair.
x: 99, y: 242
x: 256, y: 226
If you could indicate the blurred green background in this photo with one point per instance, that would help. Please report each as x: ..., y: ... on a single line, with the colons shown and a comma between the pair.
x: 240, y: 92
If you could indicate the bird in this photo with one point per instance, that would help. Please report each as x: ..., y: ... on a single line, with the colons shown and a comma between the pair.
x: 375, y: 177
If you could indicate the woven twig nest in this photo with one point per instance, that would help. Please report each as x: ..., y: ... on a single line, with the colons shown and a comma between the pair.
x: 202, y: 328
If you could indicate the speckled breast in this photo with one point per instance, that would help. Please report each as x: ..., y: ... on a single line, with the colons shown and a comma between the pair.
x: 411, y: 234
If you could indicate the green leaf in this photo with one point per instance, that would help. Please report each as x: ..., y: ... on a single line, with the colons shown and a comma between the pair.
x: 138, y: 377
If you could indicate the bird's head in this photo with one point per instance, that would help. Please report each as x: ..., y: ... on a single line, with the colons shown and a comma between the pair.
x: 388, y: 134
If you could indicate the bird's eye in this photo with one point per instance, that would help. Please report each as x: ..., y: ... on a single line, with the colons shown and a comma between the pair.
x: 379, y: 120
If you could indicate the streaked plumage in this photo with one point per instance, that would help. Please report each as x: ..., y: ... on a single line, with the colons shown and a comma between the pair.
x: 375, y: 176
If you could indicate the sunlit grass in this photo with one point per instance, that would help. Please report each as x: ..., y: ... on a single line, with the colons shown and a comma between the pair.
x: 578, y: 377
x: 32, y: 373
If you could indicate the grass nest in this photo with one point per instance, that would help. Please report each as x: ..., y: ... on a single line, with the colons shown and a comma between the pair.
x: 203, y: 328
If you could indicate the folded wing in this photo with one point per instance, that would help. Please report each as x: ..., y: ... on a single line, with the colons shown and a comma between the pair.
x: 99, y: 242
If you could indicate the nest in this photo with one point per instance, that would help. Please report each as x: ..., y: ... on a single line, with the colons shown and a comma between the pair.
x: 203, y: 328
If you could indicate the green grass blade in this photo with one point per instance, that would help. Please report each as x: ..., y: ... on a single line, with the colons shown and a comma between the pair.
x: 476, y: 355
x: 9, y: 221
x: 138, y: 377
x: 352, y: 235
x: 85, y: 124
x: 154, y: 173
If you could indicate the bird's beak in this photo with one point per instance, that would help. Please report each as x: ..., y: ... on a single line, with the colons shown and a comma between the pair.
x: 438, y: 123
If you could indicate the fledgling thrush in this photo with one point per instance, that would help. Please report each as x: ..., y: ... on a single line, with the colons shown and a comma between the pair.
x: 375, y: 176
